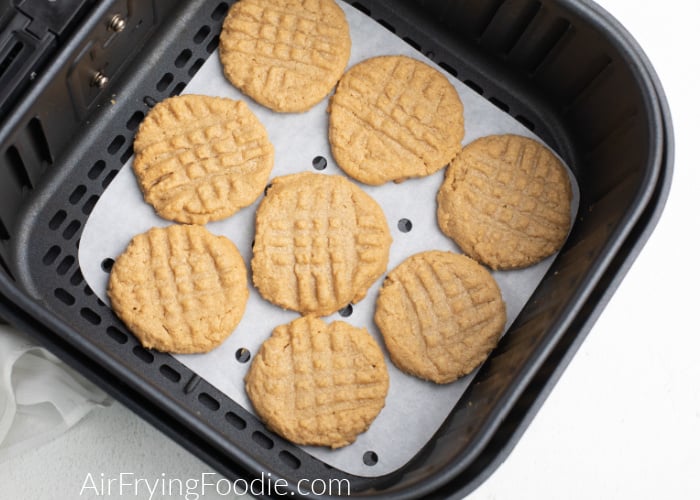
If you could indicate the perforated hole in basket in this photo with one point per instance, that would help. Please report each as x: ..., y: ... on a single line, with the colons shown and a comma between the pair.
x: 242, y: 355
x: 405, y: 225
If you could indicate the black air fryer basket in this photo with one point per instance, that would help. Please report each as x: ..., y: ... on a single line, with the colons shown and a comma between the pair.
x: 77, y: 78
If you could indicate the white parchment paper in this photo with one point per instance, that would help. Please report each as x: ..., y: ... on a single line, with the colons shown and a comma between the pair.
x: 414, y: 409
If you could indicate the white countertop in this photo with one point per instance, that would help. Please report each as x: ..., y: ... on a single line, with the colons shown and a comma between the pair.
x: 624, y: 419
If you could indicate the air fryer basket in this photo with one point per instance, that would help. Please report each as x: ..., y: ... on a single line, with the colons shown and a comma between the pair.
x: 563, y: 68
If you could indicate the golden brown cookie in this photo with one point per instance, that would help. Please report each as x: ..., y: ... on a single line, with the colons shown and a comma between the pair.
x: 200, y: 158
x: 179, y: 289
x: 393, y: 117
x: 320, y: 242
x: 285, y: 54
x: 506, y: 201
x: 318, y: 384
x: 440, y: 314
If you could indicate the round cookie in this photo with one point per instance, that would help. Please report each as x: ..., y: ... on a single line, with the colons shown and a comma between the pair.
x: 318, y: 384
x: 200, y: 158
x: 320, y: 243
x: 285, y: 54
x: 179, y: 289
x: 393, y: 117
x: 506, y: 201
x: 440, y: 314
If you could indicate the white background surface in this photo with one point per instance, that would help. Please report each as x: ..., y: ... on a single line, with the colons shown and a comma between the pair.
x: 624, y: 419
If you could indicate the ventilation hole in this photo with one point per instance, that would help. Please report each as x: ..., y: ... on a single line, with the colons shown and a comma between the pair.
x: 107, y: 264
x: 387, y: 25
x: 39, y: 141
x: 319, y: 163
x: 76, y: 278
x: 362, y: 8
x: 117, y: 335
x: 242, y: 355
x: 405, y: 225
x: 17, y: 167
x: 96, y: 170
x: 202, y: 34
x: 77, y: 194
x: 164, y: 82
x: 88, y: 291
x: 370, y: 458
x: 116, y: 144
x: 135, y: 120
x: 178, y: 89
x: 126, y: 155
x: 143, y: 354
x: 525, y: 122
x: 412, y: 42
x: 90, y: 204
x: 11, y: 56
x: 109, y: 178
x: 252, y: 245
x: 448, y: 68
x: 213, y: 44
x: 57, y: 219
x: 346, y: 311
x: 236, y: 421
x: 149, y: 101
x: 4, y: 233
x: 64, y: 296
x: 430, y: 54
x: 263, y: 440
x: 71, y: 229
x: 499, y: 104
x: 170, y: 373
x: 195, y: 67
x: 219, y: 12
x: 290, y: 460
x: 208, y: 401
x: 476, y: 88
x: 51, y: 255
x: 65, y: 265
x: 182, y: 58
x: 90, y: 315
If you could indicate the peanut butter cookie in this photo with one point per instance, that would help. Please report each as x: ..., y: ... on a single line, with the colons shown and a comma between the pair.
x: 440, y: 314
x: 506, y: 201
x: 200, y: 158
x: 320, y: 243
x: 179, y: 289
x: 393, y: 117
x: 285, y: 54
x: 318, y: 384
